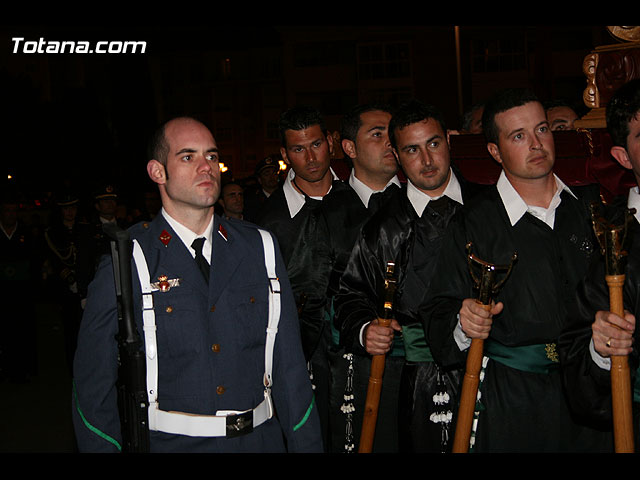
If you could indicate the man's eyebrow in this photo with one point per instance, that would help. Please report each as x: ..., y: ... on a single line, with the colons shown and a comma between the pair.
x: 377, y: 127
x: 520, y: 129
x: 311, y: 142
x: 426, y: 142
x: 193, y: 150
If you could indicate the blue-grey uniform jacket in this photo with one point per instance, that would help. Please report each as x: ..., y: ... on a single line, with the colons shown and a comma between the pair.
x: 211, y: 346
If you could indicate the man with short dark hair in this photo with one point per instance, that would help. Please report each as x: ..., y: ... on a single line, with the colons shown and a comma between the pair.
x: 232, y: 200
x: 560, y: 115
x: 595, y: 333
x: 365, y: 141
x: 407, y: 231
x: 220, y: 330
x: 315, y: 217
x: 531, y: 212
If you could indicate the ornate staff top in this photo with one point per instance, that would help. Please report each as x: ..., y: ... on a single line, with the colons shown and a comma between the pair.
x: 486, y: 281
x: 613, y: 238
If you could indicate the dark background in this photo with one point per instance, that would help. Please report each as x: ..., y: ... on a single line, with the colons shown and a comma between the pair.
x: 69, y: 117
x: 78, y: 120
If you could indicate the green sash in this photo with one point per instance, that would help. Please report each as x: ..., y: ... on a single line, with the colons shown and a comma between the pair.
x: 539, y: 358
x: 415, y: 344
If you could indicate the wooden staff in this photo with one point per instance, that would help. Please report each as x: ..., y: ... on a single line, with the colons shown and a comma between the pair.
x: 374, y: 387
x: 487, y: 287
x: 612, y: 240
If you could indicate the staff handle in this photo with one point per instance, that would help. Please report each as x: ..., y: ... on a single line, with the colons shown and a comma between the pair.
x: 469, y: 393
x: 372, y: 403
x: 620, y: 377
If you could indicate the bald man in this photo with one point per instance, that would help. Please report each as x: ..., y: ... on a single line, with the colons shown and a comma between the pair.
x: 220, y: 372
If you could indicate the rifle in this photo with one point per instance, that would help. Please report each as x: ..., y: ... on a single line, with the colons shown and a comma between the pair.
x: 374, y: 387
x: 613, y: 240
x: 132, y: 386
x: 487, y: 287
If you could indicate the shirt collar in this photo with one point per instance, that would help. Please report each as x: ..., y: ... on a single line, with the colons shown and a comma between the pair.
x: 516, y: 206
x: 187, y: 236
x: 295, y: 199
x: 633, y: 201
x: 364, y: 191
x: 419, y: 200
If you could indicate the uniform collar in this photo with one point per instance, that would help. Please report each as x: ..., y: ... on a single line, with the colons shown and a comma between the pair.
x: 516, y: 207
x: 364, y: 191
x: 187, y: 236
x: 295, y: 199
x: 419, y: 200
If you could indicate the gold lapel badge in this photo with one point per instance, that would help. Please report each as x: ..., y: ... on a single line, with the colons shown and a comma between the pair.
x: 164, y: 284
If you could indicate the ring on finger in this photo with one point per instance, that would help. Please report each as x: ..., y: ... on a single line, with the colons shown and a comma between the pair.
x: 609, y: 343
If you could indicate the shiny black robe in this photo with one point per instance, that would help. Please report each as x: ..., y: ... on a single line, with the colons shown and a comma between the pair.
x: 588, y: 385
x: 397, y: 234
x: 521, y: 411
x: 315, y: 245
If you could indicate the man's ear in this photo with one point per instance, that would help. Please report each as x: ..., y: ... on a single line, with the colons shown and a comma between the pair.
x: 283, y: 154
x: 330, y: 141
x: 494, y: 151
x: 157, y: 172
x: 622, y: 157
x: 349, y: 148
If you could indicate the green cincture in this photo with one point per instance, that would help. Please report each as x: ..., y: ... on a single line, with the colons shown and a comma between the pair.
x: 539, y: 358
x: 415, y: 344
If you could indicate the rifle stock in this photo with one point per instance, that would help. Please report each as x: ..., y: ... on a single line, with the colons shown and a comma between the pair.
x: 132, y: 385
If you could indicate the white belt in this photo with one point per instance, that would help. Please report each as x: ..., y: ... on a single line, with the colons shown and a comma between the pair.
x: 225, y: 423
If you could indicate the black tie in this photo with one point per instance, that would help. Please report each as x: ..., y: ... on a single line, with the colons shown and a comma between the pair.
x: 200, y: 260
x: 440, y: 205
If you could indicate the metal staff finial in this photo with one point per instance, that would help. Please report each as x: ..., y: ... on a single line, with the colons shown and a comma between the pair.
x: 613, y: 238
x: 486, y: 282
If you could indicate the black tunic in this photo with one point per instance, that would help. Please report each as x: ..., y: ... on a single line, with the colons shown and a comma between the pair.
x: 315, y: 245
x: 522, y: 409
x: 397, y: 234
x: 588, y: 385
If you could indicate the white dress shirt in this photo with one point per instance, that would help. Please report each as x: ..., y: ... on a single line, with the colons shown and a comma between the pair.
x: 187, y: 236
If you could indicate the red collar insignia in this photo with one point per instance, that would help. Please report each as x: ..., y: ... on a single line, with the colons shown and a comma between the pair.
x: 222, y: 232
x: 165, y: 237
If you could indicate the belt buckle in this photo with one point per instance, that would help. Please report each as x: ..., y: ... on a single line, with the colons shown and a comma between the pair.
x: 239, y: 424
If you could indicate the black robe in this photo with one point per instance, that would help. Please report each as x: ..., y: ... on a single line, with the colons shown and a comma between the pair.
x: 588, y: 385
x: 397, y: 234
x: 315, y: 246
x: 521, y: 409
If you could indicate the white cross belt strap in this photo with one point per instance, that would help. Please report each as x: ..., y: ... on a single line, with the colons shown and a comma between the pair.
x: 227, y: 423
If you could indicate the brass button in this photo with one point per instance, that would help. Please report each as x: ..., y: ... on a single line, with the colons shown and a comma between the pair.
x: 220, y: 390
x: 169, y: 309
x: 252, y: 300
x: 215, y: 347
x: 213, y: 308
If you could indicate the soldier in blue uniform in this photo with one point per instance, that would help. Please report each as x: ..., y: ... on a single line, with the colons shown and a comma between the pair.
x: 208, y: 352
